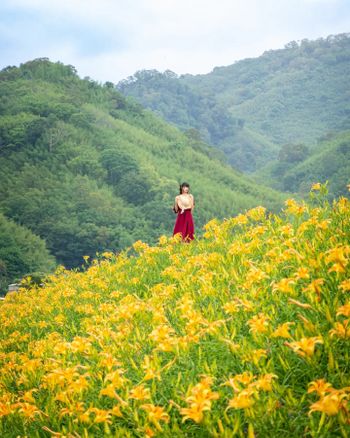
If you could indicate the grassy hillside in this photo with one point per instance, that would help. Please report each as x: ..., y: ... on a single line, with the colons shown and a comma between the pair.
x: 87, y: 171
x: 291, y: 95
x: 244, y: 332
x: 167, y: 96
x: 294, y: 94
x: 328, y: 161
x: 250, y: 152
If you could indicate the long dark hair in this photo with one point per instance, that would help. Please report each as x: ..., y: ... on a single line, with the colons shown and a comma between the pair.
x: 184, y: 184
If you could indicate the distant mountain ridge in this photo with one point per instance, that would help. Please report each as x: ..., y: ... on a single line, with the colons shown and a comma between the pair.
x: 290, y: 95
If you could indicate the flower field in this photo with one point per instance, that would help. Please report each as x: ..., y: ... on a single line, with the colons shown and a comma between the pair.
x: 244, y: 332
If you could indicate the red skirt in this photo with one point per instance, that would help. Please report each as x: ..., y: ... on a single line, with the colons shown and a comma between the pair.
x: 184, y: 224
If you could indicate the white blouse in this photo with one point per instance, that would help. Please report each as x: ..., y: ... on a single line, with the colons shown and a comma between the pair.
x: 185, y: 201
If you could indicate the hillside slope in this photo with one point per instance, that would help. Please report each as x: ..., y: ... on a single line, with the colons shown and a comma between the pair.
x: 291, y: 95
x: 329, y: 161
x: 244, y: 332
x: 87, y: 171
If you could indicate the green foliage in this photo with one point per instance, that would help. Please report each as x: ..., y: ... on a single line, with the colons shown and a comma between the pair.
x: 331, y: 163
x: 255, y: 106
x: 298, y: 168
x: 116, y: 163
x: 176, y: 102
x: 293, y: 153
x: 88, y: 171
x: 20, y: 252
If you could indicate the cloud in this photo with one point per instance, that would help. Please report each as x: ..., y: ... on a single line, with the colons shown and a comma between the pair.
x: 109, y: 40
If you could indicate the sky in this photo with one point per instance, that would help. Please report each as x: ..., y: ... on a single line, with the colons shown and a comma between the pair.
x: 110, y: 40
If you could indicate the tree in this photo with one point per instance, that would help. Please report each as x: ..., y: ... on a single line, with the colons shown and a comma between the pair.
x: 21, y: 252
x: 117, y: 163
x: 293, y: 153
x: 134, y: 188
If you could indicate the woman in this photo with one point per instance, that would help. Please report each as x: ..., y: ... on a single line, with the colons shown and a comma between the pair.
x: 183, y: 206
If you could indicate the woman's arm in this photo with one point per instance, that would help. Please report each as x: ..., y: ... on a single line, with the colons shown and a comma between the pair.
x: 176, y: 207
x: 192, y: 202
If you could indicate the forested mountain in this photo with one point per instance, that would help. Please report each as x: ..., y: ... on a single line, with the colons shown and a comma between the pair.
x: 297, y: 167
x: 86, y: 171
x: 255, y: 106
